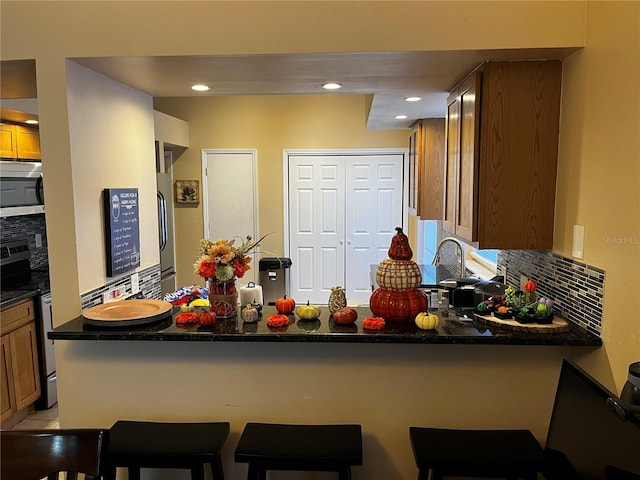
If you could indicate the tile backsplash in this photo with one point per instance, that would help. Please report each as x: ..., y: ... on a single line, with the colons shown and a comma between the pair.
x: 150, y: 287
x: 576, y: 288
x: 27, y: 226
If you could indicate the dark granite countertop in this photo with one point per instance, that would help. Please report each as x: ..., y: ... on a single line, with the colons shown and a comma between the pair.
x: 13, y: 297
x: 452, y: 330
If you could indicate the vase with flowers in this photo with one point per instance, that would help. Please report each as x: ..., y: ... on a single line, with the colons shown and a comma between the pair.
x: 221, y: 263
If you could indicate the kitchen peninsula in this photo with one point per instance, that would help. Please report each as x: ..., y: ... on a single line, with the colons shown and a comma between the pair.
x: 316, y: 373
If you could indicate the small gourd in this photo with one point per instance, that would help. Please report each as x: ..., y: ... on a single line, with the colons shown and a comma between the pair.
x: 345, y: 316
x: 337, y: 299
x: 206, y: 318
x: 308, y: 312
x: 250, y: 314
x: 427, y: 321
x: 400, y: 249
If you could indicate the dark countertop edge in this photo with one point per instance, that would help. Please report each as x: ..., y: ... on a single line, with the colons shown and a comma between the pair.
x: 27, y: 294
x: 550, y: 340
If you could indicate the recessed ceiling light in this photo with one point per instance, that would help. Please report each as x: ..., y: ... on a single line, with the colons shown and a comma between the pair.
x: 32, y: 122
x: 413, y: 99
x: 331, y: 86
x: 200, y: 87
x: 400, y: 117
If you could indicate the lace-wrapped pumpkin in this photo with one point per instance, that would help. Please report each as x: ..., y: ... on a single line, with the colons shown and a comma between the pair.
x: 398, y: 299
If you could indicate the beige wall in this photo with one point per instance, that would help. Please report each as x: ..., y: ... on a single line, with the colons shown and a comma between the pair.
x: 116, y: 152
x: 268, y: 124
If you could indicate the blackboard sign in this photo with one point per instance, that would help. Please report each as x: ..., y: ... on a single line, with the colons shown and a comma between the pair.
x: 122, y: 229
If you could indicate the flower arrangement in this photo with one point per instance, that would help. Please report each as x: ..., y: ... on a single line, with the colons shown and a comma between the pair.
x: 223, y: 260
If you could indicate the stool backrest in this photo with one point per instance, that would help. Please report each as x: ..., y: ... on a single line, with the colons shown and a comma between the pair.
x: 36, y: 454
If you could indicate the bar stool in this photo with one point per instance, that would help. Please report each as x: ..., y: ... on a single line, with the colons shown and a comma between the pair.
x: 508, y: 454
x: 190, y: 446
x: 322, y: 448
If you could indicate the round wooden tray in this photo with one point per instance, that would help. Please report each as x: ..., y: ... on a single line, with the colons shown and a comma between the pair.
x: 559, y: 325
x: 127, y: 313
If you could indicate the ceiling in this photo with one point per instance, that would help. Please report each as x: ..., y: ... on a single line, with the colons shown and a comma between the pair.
x: 388, y: 77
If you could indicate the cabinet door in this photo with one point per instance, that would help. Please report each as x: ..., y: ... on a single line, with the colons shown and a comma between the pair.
x: 28, y: 143
x: 431, y: 169
x: 8, y: 147
x: 467, y: 175
x: 24, y: 364
x: 452, y: 159
x: 7, y: 393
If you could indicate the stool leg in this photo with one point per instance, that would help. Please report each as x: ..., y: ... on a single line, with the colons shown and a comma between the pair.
x: 344, y: 473
x: 197, y: 472
x: 216, y: 469
x: 256, y: 472
x: 134, y: 473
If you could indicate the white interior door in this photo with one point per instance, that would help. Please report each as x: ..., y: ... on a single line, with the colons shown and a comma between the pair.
x: 373, y: 211
x: 230, y: 207
x: 316, y: 226
x: 343, y: 210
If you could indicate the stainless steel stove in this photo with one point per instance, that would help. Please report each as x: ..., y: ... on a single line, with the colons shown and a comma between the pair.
x: 20, y: 281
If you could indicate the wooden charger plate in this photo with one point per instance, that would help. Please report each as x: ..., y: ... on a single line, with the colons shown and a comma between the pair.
x: 558, y: 325
x: 127, y: 313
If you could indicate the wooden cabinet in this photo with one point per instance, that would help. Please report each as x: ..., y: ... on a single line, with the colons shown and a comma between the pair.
x: 20, y: 385
x: 426, y: 161
x: 18, y: 142
x: 501, y: 155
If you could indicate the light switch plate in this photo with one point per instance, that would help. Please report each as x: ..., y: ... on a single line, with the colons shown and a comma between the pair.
x: 578, y: 242
x: 38, y: 240
x: 135, y: 283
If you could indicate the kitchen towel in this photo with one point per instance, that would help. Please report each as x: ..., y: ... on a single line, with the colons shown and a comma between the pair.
x: 251, y: 293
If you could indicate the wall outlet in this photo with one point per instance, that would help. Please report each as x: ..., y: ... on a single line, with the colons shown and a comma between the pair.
x: 523, y: 279
x: 38, y: 240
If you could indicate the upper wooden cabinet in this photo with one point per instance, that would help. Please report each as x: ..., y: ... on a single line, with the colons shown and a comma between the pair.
x: 18, y: 142
x: 501, y: 155
x: 426, y: 160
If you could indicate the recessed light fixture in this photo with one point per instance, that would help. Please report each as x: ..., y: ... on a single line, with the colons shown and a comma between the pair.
x: 400, y: 117
x: 413, y: 99
x: 32, y: 122
x: 199, y: 87
x: 331, y: 86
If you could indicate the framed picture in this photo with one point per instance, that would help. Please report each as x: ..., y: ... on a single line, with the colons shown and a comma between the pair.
x: 187, y: 191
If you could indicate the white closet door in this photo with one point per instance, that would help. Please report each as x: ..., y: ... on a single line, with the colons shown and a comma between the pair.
x: 373, y: 210
x: 229, y: 205
x: 316, y: 227
x: 343, y: 210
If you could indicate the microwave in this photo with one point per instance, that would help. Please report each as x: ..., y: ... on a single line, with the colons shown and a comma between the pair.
x: 21, y: 188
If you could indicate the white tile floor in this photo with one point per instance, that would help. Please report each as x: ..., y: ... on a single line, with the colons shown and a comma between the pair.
x: 40, y: 419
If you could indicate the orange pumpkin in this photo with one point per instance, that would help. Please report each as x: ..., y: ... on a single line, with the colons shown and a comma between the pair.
x: 285, y: 305
x: 206, y: 319
x: 345, y: 316
x: 398, y: 305
x: 400, y: 249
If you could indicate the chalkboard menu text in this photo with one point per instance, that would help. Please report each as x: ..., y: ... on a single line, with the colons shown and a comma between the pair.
x: 122, y: 229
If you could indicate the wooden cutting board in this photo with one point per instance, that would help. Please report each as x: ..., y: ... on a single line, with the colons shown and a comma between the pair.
x: 558, y: 325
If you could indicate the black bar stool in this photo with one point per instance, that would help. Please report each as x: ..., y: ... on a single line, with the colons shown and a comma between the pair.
x: 322, y: 448
x: 190, y: 446
x: 512, y: 454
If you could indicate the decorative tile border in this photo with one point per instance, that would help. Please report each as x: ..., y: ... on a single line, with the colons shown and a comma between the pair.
x: 26, y: 226
x: 576, y: 288
x: 150, y: 287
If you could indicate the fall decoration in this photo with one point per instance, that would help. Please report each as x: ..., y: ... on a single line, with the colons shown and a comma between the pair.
x: 345, y: 316
x: 398, y: 299
x: 186, y: 318
x: 277, y: 320
x: 373, y: 323
x: 285, y: 305
x: 223, y: 260
x: 250, y: 314
x: 530, y: 288
x: 337, y: 299
x: 308, y: 312
x: 206, y: 318
x: 400, y: 249
x: 427, y: 321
